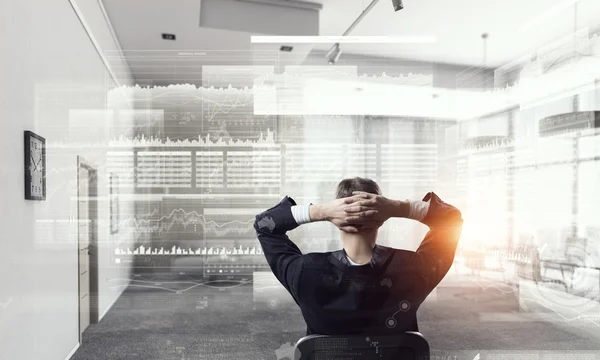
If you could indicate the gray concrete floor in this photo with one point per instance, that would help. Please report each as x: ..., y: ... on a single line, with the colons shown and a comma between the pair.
x: 463, y: 320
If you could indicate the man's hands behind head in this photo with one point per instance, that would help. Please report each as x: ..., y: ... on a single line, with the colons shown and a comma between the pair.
x: 335, y: 212
x: 362, y: 211
x: 364, y: 206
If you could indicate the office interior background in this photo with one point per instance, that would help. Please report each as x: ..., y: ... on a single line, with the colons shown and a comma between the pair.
x: 169, y: 125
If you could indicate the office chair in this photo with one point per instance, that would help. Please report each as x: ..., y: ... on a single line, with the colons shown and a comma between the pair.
x: 409, y: 345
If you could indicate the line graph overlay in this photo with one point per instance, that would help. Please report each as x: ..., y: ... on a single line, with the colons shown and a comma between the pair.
x: 182, y: 218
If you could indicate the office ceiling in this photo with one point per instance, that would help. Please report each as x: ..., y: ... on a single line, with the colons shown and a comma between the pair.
x: 515, y: 28
x: 138, y: 24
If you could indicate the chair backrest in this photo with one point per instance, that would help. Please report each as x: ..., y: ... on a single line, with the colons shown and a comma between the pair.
x: 409, y: 345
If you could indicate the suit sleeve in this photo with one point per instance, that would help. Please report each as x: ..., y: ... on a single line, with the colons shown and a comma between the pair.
x: 283, y: 256
x: 436, y: 252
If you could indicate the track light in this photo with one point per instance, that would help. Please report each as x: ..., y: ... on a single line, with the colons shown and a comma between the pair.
x: 397, y: 5
x: 334, y: 54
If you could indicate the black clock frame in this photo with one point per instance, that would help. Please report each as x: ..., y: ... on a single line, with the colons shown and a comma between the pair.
x: 27, y: 143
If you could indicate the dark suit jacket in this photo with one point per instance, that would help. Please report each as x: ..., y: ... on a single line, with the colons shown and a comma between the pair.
x: 379, y: 298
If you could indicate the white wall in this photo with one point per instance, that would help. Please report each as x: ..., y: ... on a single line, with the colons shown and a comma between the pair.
x: 49, y: 67
x: 109, y: 273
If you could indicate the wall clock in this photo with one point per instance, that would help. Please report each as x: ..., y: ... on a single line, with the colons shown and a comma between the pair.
x: 35, y: 166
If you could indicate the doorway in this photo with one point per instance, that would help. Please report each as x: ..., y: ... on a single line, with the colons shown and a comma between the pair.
x: 87, y: 239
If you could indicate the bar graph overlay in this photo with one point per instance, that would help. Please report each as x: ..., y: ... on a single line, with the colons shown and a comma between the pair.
x: 175, y: 250
x: 164, y: 168
x: 122, y: 163
x: 256, y: 168
x: 209, y: 169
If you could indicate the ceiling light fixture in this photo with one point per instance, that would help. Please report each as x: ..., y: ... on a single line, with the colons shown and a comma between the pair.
x: 397, y: 5
x: 334, y: 54
x: 485, y: 37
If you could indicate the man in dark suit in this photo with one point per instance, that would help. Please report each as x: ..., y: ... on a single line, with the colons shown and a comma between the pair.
x: 364, y: 288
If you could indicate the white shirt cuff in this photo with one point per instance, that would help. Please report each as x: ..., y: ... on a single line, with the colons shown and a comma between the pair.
x: 301, y: 214
x: 418, y: 209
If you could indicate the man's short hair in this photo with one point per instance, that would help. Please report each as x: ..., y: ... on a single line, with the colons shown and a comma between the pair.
x: 347, y: 186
